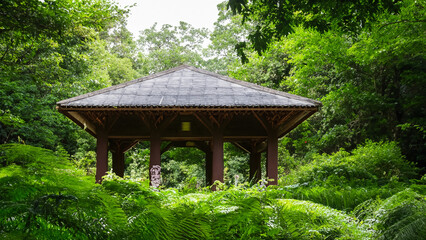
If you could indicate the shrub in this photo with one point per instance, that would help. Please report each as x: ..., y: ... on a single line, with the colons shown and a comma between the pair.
x: 381, y: 162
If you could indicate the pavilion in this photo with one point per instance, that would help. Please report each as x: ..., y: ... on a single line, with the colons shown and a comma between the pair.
x: 188, y: 107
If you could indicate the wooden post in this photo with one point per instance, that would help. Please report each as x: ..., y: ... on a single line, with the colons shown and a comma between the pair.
x: 217, y: 156
x: 209, y: 162
x: 118, y: 160
x: 155, y: 159
x: 271, y: 128
x: 272, y: 158
x: 101, y: 154
x: 255, y: 166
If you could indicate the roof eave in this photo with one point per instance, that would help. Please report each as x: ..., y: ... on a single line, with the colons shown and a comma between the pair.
x: 187, y: 108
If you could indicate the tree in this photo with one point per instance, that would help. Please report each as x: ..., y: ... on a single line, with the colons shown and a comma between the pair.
x: 277, y: 18
x: 370, y: 85
x: 393, y: 57
x: 46, y: 50
x: 221, y: 55
x: 170, y: 46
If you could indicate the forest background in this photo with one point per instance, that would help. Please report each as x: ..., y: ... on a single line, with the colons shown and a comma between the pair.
x: 363, y: 153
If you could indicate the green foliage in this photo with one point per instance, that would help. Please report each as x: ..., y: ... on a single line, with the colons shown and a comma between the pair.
x: 220, y: 55
x: 50, y: 50
x: 181, y: 165
x: 170, y: 46
x: 267, y: 70
x: 275, y: 19
x: 346, y: 197
x: 369, y: 85
x: 401, y: 216
x: 137, y: 161
x: 391, y: 57
x: 42, y: 196
x: 30, y: 157
x: 380, y: 162
x: 319, y: 222
x: 344, y: 180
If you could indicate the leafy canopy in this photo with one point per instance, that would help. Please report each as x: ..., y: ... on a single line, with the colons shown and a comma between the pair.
x: 274, y: 19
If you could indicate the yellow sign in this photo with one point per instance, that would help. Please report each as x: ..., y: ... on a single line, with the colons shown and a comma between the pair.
x: 186, y: 126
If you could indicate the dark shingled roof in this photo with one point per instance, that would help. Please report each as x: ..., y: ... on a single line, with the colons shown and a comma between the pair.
x: 186, y: 86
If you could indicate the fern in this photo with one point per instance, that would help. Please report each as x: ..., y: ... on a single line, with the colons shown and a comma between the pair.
x: 115, y: 216
x: 42, y: 196
x: 307, y: 220
x: 413, y: 227
x: 402, y: 216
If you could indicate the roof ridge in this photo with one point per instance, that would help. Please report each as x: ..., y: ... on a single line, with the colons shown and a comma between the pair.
x: 122, y: 85
x: 254, y: 86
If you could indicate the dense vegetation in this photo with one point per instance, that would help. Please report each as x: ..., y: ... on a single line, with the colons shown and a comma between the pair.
x: 44, y: 196
x: 355, y: 170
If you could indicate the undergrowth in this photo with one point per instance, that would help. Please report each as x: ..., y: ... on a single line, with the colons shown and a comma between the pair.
x: 43, y: 196
x: 344, y: 180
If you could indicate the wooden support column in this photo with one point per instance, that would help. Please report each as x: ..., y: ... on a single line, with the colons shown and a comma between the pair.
x: 215, y: 123
x: 217, y: 156
x: 155, y: 149
x: 209, y: 162
x: 272, y: 158
x: 118, y: 147
x: 255, y: 164
x: 157, y: 122
x: 155, y: 158
x: 271, y: 122
x: 118, y: 160
x: 101, y: 154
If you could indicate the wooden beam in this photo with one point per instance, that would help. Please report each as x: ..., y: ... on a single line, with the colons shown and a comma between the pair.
x: 295, y: 120
x: 111, y: 120
x: 262, y: 121
x: 167, y: 147
x: 261, y: 147
x: 225, y: 119
x: 144, y: 117
x: 215, y: 121
x: 194, y: 139
x: 203, y: 146
x: 204, y: 121
x: 166, y: 122
x: 99, y: 119
x: 130, y: 145
x: 240, y: 146
x: 82, y: 121
x: 284, y: 119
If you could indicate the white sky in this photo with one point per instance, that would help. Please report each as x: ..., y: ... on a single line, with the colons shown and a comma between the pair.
x: 198, y: 13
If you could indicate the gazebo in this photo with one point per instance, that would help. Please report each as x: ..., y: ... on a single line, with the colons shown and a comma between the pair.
x: 188, y: 107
